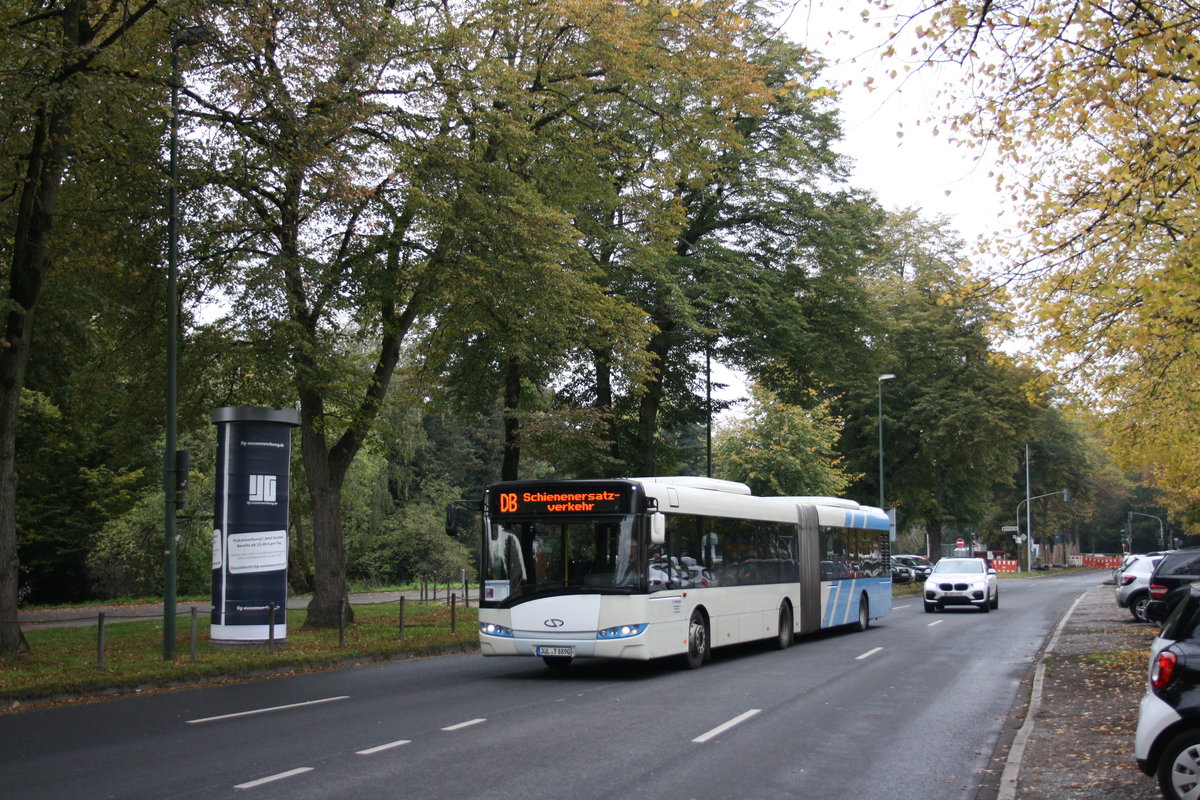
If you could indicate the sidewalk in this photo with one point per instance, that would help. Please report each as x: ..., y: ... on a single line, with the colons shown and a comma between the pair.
x: 1083, y: 710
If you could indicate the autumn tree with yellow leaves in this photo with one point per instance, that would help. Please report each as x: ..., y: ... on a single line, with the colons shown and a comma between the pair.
x: 1092, y: 107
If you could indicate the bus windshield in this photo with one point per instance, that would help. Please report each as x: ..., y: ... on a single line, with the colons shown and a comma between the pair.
x: 530, y: 558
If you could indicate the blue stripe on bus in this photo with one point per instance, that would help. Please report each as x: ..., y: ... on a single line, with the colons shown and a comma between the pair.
x: 871, y: 521
x: 842, y: 608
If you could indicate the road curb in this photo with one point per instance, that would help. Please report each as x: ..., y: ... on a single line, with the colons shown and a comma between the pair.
x: 1012, y: 767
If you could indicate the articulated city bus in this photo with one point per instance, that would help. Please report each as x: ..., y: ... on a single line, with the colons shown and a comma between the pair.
x: 646, y: 568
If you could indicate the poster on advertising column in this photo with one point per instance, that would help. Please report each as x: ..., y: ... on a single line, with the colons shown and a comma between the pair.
x: 250, y: 523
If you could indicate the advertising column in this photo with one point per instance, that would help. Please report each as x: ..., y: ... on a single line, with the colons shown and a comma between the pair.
x: 250, y: 523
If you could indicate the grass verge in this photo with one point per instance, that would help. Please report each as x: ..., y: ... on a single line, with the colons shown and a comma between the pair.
x: 65, y: 662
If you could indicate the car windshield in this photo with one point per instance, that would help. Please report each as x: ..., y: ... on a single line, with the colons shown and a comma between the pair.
x: 959, y: 565
x: 527, y: 559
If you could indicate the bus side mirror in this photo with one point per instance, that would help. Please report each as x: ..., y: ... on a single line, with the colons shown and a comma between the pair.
x: 454, y: 519
x: 658, y: 528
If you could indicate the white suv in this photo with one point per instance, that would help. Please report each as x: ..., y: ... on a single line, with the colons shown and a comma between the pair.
x: 962, y: 581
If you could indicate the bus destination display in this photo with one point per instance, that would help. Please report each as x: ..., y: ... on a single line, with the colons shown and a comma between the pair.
x: 560, y: 499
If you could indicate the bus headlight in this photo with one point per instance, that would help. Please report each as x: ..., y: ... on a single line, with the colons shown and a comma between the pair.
x: 492, y: 629
x: 621, y: 631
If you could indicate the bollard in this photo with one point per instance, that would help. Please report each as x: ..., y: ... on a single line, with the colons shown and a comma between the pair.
x: 342, y: 625
x: 453, y: 613
x: 193, y: 649
x: 271, y: 630
x: 100, y: 641
x: 401, y: 616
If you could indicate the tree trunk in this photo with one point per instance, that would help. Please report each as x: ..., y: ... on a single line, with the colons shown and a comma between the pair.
x: 31, y: 247
x: 651, y: 402
x: 510, y: 470
x: 602, y: 359
x: 325, y: 494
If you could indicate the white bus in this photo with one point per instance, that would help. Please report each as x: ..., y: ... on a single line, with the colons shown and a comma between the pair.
x: 646, y: 568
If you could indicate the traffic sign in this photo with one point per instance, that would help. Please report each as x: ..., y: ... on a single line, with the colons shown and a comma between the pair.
x: 959, y: 543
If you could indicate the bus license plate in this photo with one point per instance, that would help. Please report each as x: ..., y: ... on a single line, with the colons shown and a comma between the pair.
x: 567, y: 652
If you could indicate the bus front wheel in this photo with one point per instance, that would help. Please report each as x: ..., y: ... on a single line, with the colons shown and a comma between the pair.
x: 699, y: 648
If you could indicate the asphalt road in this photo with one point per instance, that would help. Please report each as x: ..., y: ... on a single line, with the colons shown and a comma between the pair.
x: 911, y: 708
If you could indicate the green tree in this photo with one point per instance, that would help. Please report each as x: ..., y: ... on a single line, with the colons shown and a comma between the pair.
x: 780, y: 449
x: 753, y: 260
x: 65, y: 67
x: 957, y: 413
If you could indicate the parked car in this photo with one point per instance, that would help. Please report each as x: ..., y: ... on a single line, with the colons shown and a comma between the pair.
x: 962, y: 581
x: 901, y: 572
x: 1167, y: 742
x: 1133, y: 585
x: 1126, y: 560
x: 1177, y: 569
x: 920, y: 565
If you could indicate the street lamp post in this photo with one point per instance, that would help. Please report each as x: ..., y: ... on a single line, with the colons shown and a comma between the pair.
x: 886, y: 377
x: 1066, y: 496
x: 184, y: 37
x: 1161, y: 533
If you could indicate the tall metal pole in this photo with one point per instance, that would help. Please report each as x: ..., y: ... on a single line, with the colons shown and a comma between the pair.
x: 1028, y: 513
x: 183, y: 37
x: 879, y: 381
x: 708, y: 392
x: 169, y: 584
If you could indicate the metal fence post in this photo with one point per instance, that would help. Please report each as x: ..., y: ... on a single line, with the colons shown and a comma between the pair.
x: 100, y: 641
x: 271, y: 630
x: 401, y: 616
x: 193, y: 651
x: 342, y: 625
x: 453, y: 613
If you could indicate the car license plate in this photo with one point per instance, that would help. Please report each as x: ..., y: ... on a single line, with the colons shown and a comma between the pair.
x: 568, y: 652
x: 955, y: 594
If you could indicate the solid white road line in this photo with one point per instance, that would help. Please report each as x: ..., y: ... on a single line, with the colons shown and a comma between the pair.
x: 868, y: 654
x: 268, y: 710
x: 717, y: 731
x: 381, y: 747
x: 272, y: 778
x: 462, y: 725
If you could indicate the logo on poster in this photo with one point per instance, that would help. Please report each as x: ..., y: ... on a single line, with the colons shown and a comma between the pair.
x: 262, y: 489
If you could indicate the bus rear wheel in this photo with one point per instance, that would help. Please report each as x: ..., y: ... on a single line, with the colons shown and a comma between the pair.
x: 864, y: 614
x: 783, y: 640
x: 698, y: 645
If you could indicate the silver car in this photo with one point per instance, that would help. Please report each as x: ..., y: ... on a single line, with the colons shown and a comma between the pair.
x: 1133, y: 585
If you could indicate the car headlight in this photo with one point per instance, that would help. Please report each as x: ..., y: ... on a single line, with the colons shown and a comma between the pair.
x: 621, y: 631
x: 492, y: 629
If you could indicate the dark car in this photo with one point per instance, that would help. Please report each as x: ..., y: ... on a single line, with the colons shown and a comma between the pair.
x: 920, y: 565
x: 1167, y: 742
x: 1177, y: 569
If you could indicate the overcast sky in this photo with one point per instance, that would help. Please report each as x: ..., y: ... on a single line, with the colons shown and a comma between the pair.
x: 919, y: 168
